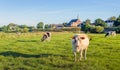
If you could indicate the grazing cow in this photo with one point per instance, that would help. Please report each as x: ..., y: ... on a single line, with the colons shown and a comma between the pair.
x: 112, y: 33
x: 18, y: 33
x: 46, y: 36
x: 80, y: 44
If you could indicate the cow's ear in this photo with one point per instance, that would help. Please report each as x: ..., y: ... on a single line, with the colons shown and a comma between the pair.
x: 82, y: 37
x: 73, y: 37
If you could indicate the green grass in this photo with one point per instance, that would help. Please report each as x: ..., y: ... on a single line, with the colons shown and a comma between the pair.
x: 26, y: 52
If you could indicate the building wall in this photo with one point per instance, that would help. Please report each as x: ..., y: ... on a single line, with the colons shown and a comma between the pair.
x: 110, y: 24
x: 75, y: 24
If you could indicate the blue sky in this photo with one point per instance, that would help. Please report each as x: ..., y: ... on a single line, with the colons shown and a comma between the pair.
x: 31, y: 12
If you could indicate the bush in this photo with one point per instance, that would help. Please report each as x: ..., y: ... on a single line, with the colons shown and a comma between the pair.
x: 72, y: 29
x: 25, y: 30
x: 69, y: 29
x: 92, y: 29
x: 99, y: 29
x: 117, y: 29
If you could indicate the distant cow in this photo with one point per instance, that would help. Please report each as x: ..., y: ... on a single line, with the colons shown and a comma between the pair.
x: 112, y: 33
x: 46, y: 36
x: 80, y: 44
x: 18, y: 33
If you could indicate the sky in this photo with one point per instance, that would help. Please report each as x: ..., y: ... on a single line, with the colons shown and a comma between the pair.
x: 31, y: 12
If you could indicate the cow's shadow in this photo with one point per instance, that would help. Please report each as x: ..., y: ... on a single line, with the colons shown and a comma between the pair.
x: 27, y: 40
x: 17, y: 54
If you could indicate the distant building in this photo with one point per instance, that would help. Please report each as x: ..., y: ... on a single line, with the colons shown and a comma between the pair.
x: 57, y: 26
x: 109, y: 23
x: 74, y: 22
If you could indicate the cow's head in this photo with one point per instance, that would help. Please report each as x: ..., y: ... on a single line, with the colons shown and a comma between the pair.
x: 44, y: 37
x: 77, y: 40
x: 48, y: 34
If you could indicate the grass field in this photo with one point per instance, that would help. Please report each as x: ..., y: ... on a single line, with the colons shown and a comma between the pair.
x: 26, y: 52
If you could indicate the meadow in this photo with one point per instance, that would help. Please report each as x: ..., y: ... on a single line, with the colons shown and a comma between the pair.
x: 27, y: 52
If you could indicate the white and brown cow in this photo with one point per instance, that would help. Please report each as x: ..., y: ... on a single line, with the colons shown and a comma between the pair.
x: 46, y: 36
x: 80, y: 44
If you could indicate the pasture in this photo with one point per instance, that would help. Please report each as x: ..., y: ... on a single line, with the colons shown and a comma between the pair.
x: 27, y: 52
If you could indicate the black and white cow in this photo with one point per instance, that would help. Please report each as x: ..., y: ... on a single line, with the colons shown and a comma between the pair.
x: 112, y: 33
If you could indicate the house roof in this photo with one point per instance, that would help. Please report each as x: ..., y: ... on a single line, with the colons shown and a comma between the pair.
x: 109, y: 21
x: 73, y: 20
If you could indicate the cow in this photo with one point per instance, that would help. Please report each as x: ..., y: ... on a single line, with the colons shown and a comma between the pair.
x: 112, y: 33
x: 18, y: 33
x: 46, y: 36
x: 80, y: 43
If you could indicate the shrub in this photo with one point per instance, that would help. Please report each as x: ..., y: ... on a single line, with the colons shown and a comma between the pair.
x: 99, y: 29
x: 73, y: 29
x: 25, y: 30
x: 93, y: 29
x: 69, y: 29
x: 117, y: 29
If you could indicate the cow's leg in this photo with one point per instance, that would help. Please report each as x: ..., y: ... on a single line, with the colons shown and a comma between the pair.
x: 81, y: 54
x: 85, y: 51
x: 74, y: 56
x: 49, y: 38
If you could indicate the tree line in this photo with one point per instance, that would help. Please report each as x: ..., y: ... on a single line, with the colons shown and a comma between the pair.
x: 98, y: 26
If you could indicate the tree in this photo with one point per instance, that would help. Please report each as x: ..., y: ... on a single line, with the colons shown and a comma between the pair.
x: 99, y: 29
x: 18, y: 29
x: 112, y: 18
x: 40, y: 26
x: 4, y: 29
x: 46, y: 26
x: 65, y: 24
x: 93, y: 29
x: 87, y: 21
x: 117, y: 22
x: 118, y: 29
x: 31, y: 28
x: 86, y: 26
x: 12, y: 27
x: 100, y: 22
x: 23, y: 26
x: 25, y: 30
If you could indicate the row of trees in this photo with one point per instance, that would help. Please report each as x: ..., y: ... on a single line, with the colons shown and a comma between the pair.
x: 16, y: 28
x: 100, y: 25
x: 96, y: 27
x: 24, y: 28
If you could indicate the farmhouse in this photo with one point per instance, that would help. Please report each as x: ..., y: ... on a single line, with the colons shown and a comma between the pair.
x: 57, y: 26
x: 74, y: 22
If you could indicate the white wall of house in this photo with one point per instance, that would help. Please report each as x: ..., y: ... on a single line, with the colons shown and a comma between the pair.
x: 110, y: 23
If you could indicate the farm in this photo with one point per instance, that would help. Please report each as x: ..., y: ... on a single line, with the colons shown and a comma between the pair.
x: 27, y: 52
